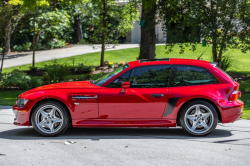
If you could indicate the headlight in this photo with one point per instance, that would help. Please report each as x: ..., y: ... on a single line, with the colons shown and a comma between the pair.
x: 21, y: 102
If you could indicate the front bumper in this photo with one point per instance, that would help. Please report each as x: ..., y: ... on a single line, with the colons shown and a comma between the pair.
x: 22, y: 115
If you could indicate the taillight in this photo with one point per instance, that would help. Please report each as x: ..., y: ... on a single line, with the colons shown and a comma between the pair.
x: 234, y: 95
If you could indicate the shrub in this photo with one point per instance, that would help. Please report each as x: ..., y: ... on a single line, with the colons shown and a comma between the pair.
x: 1, y: 50
x: 38, y: 46
x: 56, y: 72
x: 35, y: 82
x: 96, y: 76
x: 50, y: 45
x: 111, y: 64
x: 55, y: 44
x: 18, y: 48
x: 226, y: 62
x: 14, y: 79
x: 85, y: 69
x: 121, y: 63
x: 82, y: 77
x: 24, y: 85
x: 60, y: 44
x: 26, y: 46
x: 33, y: 68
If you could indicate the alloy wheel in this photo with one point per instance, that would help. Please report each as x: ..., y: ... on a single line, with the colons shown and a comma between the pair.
x: 49, y: 119
x: 198, y: 119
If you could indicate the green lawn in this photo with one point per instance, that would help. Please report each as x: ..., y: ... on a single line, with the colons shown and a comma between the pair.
x: 246, y: 112
x: 9, y: 97
x: 241, y: 60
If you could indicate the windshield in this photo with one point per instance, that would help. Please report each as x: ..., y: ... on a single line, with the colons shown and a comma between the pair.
x: 102, y: 80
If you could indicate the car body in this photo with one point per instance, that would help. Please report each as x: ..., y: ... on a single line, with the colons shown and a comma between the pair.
x: 143, y: 93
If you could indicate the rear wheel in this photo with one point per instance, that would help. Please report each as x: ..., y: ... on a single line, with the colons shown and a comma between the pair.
x: 199, y: 118
x: 50, y: 118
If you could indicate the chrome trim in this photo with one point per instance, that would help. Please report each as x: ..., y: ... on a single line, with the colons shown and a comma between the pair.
x: 76, y: 103
x: 84, y: 97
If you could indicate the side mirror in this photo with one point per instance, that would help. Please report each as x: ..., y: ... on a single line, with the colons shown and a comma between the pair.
x: 125, y: 86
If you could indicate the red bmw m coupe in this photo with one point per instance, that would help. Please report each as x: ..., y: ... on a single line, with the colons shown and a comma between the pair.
x: 194, y: 94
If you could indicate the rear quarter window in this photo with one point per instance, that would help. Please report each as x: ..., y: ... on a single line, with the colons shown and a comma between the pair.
x: 182, y: 75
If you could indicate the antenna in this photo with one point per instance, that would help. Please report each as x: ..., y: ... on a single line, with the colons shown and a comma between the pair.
x: 202, y: 53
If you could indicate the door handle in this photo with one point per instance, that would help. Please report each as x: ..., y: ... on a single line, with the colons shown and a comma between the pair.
x: 157, y: 95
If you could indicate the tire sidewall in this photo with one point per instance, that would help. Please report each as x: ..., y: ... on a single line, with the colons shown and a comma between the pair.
x: 64, y: 113
x: 213, y: 110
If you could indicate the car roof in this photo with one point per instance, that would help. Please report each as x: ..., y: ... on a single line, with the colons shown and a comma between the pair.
x: 145, y: 62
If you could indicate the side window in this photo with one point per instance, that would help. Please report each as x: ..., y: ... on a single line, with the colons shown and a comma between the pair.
x: 191, y: 75
x: 118, y: 81
x: 150, y: 76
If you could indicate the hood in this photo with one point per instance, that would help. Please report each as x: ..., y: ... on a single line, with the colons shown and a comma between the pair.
x: 65, y: 85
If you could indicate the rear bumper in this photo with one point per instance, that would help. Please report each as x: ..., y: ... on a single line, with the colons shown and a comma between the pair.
x: 232, y: 112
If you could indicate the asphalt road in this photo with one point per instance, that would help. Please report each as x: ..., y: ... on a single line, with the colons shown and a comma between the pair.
x: 228, y: 145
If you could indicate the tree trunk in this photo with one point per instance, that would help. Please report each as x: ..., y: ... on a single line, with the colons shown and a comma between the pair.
x: 54, y: 5
x: 78, y: 28
x: 103, y: 33
x: 3, y: 55
x: 7, y: 37
x: 148, y: 38
x: 38, y: 36
x: 34, y: 41
x: 214, y: 51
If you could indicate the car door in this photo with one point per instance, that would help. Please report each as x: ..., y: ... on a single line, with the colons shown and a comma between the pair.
x: 145, y: 99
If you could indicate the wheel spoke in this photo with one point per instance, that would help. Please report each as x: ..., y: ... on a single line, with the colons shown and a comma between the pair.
x: 203, y: 123
x: 57, y: 120
x: 43, y: 122
x: 52, y: 112
x: 191, y: 117
x: 206, y: 115
x: 197, y: 110
x: 195, y: 124
x: 44, y: 114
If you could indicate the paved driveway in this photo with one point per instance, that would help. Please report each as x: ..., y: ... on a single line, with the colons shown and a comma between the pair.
x: 26, y: 57
x: 228, y: 145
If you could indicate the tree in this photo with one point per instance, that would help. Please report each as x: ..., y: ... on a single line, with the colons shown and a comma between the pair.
x: 33, y: 6
x: 111, y: 20
x: 10, y: 15
x: 148, y: 38
x: 223, y: 23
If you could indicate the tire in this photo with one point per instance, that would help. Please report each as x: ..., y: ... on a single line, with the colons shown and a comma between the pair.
x: 199, y: 118
x: 50, y: 119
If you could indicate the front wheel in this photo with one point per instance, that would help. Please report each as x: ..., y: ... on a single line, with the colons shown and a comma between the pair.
x: 50, y: 118
x: 199, y: 118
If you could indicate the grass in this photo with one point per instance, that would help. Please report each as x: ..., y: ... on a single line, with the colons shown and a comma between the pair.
x: 245, y: 85
x: 246, y: 111
x: 9, y: 97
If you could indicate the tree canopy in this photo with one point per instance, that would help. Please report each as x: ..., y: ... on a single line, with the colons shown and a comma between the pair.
x: 219, y: 22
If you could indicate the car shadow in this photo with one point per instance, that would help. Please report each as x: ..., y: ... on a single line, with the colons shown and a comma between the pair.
x: 13, y: 56
x: 110, y: 133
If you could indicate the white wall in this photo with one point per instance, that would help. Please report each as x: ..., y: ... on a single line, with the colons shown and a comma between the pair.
x: 136, y: 33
